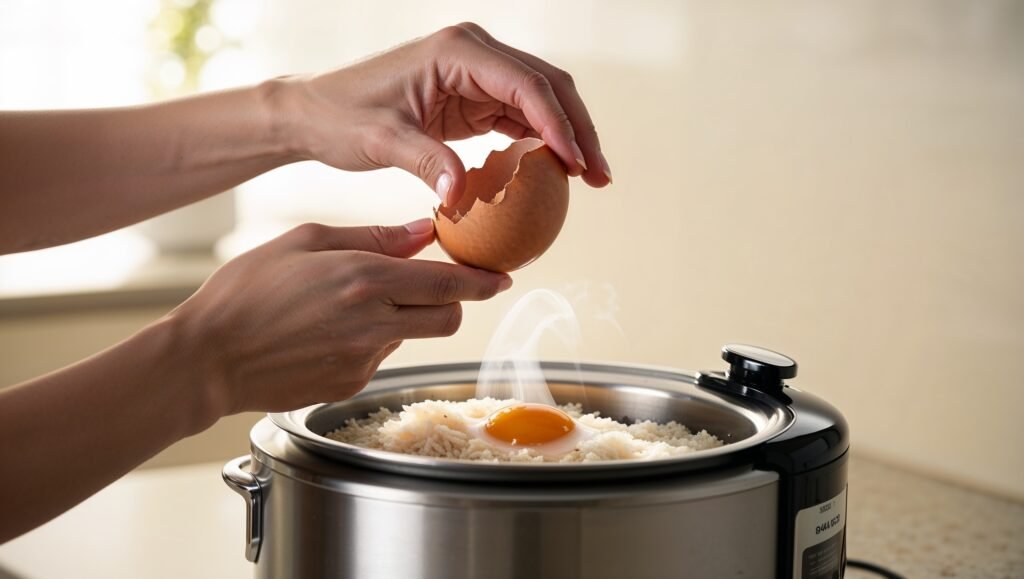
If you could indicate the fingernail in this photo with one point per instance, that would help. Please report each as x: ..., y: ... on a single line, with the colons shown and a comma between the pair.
x: 604, y: 166
x: 443, y: 185
x: 420, y: 226
x: 504, y: 284
x: 579, y: 155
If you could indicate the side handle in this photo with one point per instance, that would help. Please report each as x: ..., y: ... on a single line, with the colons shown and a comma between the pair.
x: 237, y: 476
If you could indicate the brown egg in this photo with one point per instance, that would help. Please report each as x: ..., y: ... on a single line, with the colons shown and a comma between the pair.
x: 512, y: 210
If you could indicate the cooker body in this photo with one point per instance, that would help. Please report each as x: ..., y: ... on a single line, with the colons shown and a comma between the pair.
x: 367, y: 525
x: 770, y: 503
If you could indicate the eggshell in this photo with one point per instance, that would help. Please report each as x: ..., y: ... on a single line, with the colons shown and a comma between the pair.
x: 512, y: 211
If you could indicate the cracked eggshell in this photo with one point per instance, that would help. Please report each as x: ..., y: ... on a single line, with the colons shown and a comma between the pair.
x: 512, y: 211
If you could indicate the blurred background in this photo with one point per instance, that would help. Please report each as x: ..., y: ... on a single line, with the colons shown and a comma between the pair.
x: 841, y: 182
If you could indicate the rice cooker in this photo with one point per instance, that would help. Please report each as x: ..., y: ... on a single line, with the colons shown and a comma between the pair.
x: 771, y: 502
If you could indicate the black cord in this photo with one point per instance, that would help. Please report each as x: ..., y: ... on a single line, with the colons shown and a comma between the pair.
x: 876, y: 569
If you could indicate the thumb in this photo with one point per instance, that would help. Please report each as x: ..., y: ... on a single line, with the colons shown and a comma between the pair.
x: 394, y: 240
x: 432, y: 161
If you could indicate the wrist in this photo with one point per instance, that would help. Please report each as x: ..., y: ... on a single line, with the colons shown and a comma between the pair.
x: 281, y: 100
x: 199, y: 377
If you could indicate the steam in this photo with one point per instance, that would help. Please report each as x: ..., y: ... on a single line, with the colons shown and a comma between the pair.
x: 596, y: 300
x: 511, y: 367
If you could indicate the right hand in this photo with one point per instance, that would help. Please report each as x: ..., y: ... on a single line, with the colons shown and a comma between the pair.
x: 309, y: 316
x: 398, y: 108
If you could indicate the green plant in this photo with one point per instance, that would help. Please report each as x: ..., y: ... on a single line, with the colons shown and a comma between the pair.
x: 184, y: 39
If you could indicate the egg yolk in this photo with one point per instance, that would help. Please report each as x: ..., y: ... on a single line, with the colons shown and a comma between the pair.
x: 529, y: 424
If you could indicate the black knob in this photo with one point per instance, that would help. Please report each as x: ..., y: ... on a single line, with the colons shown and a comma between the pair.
x: 757, y: 367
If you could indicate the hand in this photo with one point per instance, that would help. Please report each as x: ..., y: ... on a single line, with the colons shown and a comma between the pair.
x: 309, y: 316
x: 396, y: 109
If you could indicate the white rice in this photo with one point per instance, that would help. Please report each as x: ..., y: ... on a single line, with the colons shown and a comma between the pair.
x: 439, y: 429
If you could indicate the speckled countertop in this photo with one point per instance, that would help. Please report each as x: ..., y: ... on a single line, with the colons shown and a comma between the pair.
x: 924, y: 528
x: 141, y: 525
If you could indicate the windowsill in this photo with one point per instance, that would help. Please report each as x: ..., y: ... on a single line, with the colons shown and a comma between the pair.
x: 117, y: 270
x: 160, y: 280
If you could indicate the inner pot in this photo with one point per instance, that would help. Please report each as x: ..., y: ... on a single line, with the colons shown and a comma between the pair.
x: 624, y: 393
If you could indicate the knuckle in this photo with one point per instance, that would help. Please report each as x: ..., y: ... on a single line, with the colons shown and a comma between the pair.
x: 447, y: 287
x: 452, y: 320
x: 563, y: 121
x: 383, y: 237
x: 566, y: 79
x: 359, y: 266
x: 537, y: 81
x: 308, y: 232
x: 359, y: 290
x: 427, y: 164
x: 487, y: 291
x: 475, y: 28
x: 454, y: 34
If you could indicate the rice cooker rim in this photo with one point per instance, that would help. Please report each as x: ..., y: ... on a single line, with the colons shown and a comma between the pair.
x: 770, y: 416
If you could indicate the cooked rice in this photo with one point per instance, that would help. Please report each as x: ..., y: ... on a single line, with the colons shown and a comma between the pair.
x: 438, y: 428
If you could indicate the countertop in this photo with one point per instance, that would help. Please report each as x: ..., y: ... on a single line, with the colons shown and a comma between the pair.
x: 184, y: 522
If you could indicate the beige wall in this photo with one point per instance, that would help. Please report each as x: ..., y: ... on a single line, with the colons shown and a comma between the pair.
x: 840, y: 182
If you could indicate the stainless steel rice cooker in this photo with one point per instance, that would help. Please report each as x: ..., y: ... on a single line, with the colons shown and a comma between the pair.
x: 771, y: 502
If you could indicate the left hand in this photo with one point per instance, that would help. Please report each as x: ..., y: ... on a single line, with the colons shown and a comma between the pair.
x: 308, y: 317
x: 397, y: 109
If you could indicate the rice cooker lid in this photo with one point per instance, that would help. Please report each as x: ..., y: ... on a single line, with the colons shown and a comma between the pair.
x: 750, y: 394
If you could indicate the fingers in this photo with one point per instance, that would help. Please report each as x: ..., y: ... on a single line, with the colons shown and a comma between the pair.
x: 586, y: 147
x: 433, y: 283
x: 424, y: 297
x: 428, y: 321
x: 432, y: 161
x: 395, y: 241
x: 392, y: 278
x: 598, y: 171
x: 421, y: 299
x: 510, y: 128
x: 502, y: 77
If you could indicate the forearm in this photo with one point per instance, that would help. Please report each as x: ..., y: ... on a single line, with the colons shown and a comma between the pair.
x: 70, y: 433
x: 68, y: 175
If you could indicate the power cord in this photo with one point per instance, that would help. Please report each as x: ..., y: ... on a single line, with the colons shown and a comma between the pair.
x: 871, y: 567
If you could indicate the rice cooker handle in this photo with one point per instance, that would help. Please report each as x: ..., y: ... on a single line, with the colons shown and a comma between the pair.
x: 237, y: 476
x: 758, y: 367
